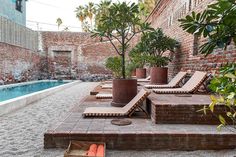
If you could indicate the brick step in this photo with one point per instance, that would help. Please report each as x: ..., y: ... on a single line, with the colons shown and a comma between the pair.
x: 181, y: 109
x: 161, y: 137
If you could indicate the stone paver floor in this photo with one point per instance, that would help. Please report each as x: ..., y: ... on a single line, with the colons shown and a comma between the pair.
x: 21, y: 132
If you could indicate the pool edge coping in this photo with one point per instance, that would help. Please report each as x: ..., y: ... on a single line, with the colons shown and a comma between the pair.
x: 22, y: 101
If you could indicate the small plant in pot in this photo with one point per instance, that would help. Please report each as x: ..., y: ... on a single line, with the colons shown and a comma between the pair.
x: 156, y: 43
x: 139, y: 60
x: 119, y: 25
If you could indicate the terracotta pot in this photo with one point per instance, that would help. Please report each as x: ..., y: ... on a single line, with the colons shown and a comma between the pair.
x: 133, y: 72
x: 140, y: 73
x: 159, y: 75
x: 123, y: 90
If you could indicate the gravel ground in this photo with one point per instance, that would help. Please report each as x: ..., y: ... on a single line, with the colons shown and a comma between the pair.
x: 21, y: 132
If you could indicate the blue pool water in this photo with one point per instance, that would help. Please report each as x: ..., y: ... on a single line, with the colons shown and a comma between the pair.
x: 13, y: 92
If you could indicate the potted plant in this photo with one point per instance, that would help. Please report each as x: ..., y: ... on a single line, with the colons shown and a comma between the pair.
x: 139, y: 60
x: 119, y: 25
x: 156, y: 43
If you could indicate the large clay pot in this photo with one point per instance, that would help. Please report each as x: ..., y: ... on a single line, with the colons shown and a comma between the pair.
x: 123, y: 90
x: 159, y: 75
x: 133, y: 72
x: 140, y: 73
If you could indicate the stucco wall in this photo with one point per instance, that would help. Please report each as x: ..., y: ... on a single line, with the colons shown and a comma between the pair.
x: 8, y: 10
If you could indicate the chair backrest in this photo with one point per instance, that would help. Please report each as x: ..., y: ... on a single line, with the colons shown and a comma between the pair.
x: 136, y: 101
x: 148, y: 78
x: 195, y: 81
x: 176, y: 80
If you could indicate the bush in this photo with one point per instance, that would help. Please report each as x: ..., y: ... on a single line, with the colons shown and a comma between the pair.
x: 224, y: 85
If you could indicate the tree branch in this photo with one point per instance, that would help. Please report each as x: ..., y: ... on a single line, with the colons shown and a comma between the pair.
x: 132, y: 36
x: 116, y: 38
x: 114, y: 45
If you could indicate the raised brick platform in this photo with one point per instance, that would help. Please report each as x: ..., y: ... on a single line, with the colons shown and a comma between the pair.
x: 182, y: 109
x: 141, y: 134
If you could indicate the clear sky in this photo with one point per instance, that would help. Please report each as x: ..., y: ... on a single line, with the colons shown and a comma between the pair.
x: 42, y: 14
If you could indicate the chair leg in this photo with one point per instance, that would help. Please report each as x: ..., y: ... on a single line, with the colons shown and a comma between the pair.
x: 141, y: 109
x: 129, y: 115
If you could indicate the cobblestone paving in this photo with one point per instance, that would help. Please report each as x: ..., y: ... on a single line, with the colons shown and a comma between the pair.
x: 21, y: 132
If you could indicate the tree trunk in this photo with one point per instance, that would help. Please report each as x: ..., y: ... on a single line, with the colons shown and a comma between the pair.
x: 123, y: 56
x: 123, y: 66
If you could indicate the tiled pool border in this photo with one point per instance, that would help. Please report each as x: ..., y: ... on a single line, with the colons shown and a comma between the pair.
x: 22, y: 101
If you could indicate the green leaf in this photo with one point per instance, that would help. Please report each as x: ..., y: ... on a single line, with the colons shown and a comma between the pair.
x: 229, y: 114
x: 219, y: 127
x: 222, y: 120
x: 211, y: 106
x: 231, y: 95
x: 230, y: 75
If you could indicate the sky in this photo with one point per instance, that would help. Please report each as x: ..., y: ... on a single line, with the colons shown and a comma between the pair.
x: 42, y: 14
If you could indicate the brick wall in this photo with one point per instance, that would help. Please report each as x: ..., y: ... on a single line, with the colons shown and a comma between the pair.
x: 165, y: 16
x: 86, y: 55
x: 18, y: 64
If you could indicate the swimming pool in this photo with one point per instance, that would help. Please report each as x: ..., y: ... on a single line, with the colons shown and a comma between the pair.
x: 16, y: 91
x: 19, y: 95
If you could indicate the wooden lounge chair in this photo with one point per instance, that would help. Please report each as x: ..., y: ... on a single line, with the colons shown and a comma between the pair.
x: 104, y: 96
x: 107, y: 86
x: 147, y: 79
x: 127, y: 110
x: 191, y: 86
x: 172, y: 84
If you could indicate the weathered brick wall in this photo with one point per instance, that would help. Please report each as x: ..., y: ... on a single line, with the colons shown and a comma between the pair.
x: 18, y: 64
x: 87, y: 55
x: 165, y: 16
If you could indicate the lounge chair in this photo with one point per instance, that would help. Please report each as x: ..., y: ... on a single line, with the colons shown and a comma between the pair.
x: 107, y: 83
x: 172, y: 84
x: 127, y: 110
x: 191, y: 86
x: 147, y: 79
x: 107, y: 86
x: 104, y: 96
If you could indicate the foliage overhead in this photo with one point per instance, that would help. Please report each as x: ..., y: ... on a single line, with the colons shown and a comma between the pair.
x: 101, y: 9
x: 119, y: 26
x: 217, y: 22
x: 146, y: 7
x: 81, y: 15
x: 90, y: 11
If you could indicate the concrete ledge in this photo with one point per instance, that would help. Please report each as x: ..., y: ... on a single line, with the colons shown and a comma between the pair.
x: 22, y: 101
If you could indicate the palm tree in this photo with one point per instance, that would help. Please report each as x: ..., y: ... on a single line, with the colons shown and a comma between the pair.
x: 102, y: 9
x: 90, y: 11
x: 59, y: 22
x: 146, y: 7
x: 80, y: 14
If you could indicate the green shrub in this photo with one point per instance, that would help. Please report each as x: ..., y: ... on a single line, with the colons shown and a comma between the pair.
x: 224, y: 86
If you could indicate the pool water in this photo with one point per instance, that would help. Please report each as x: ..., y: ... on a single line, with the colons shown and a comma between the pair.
x: 13, y: 92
